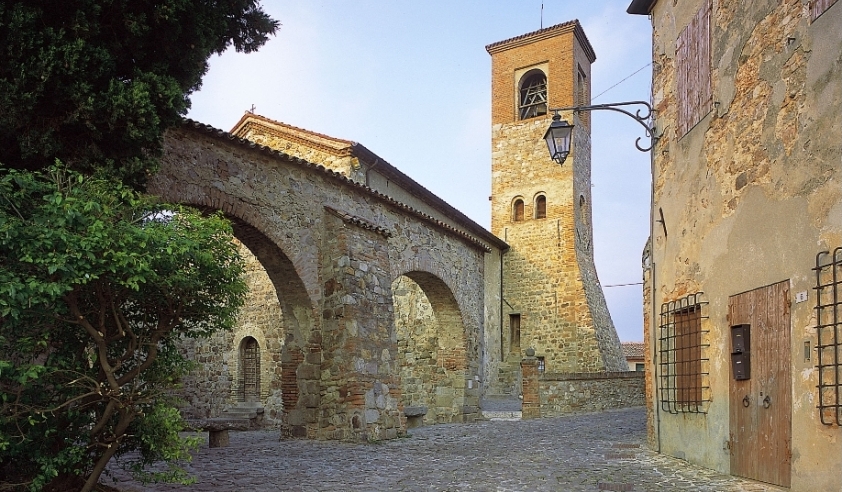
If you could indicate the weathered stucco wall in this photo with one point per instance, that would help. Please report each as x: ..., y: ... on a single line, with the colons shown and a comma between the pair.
x: 750, y: 195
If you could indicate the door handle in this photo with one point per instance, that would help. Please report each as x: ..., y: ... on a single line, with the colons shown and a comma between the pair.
x: 746, y: 401
x: 767, y: 402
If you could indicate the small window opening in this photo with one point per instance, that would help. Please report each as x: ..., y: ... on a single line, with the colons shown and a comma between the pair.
x: 518, y: 210
x: 541, y: 365
x: 514, y: 334
x: 541, y: 207
x: 533, y: 94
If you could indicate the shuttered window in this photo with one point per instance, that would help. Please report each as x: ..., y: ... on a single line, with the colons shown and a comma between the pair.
x: 693, y: 84
x: 818, y: 7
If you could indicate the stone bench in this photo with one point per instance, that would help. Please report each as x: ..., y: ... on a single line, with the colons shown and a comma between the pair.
x: 218, y: 428
x: 414, y: 416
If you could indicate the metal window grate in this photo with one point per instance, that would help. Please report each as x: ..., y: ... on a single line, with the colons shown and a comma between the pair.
x: 684, y: 368
x: 829, y: 330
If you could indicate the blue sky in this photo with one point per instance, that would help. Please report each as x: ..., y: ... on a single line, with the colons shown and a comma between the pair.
x: 411, y: 81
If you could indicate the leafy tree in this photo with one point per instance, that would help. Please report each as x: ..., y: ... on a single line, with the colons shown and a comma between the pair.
x: 97, y: 284
x: 97, y: 82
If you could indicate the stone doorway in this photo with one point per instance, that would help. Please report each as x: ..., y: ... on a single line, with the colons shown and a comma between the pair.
x: 250, y: 368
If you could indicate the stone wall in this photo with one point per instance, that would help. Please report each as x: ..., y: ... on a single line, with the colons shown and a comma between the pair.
x: 562, y: 394
x: 331, y: 248
x: 556, y: 394
x: 217, y: 382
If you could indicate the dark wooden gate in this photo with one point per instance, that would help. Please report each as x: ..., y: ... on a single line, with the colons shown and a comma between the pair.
x: 250, y: 359
x: 761, y: 405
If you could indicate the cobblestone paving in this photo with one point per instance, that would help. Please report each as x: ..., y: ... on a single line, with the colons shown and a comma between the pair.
x: 572, y: 454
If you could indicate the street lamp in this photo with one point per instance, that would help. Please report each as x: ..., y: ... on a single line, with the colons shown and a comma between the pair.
x: 558, y: 138
x: 558, y: 134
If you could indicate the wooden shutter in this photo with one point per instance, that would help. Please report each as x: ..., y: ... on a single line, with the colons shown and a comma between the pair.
x: 818, y: 7
x: 693, y: 82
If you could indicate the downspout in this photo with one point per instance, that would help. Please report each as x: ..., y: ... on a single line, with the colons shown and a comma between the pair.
x: 502, y: 328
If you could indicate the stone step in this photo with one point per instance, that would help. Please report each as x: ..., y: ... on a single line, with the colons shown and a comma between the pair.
x: 497, y: 415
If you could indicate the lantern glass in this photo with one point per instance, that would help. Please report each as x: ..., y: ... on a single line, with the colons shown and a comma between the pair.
x: 558, y: 139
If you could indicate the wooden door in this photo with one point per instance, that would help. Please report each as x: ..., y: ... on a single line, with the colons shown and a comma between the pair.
x: 761, y: 406
x: 251, y: 370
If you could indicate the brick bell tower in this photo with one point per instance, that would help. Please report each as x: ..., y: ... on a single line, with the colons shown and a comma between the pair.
x: 553, y: 301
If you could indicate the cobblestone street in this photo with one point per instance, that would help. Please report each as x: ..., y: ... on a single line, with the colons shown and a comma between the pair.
x: 578, y: 453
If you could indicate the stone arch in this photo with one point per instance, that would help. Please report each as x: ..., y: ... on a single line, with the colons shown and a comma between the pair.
x: 299, y: 376
x: 532, y: 94
x: 518, y: 208
x: 432, y: 346
x: 540, y: 205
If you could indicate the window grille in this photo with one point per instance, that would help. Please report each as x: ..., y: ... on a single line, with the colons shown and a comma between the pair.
x: 533, y: 95
x: 829, y: 331
x: 683, y: 364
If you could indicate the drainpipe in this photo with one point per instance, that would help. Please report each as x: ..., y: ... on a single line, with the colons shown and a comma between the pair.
x: 502, y: 329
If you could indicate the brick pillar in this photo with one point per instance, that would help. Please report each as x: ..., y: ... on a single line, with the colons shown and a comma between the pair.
x: 531, y: 406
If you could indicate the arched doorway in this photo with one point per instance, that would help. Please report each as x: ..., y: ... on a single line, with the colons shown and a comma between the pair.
x: 249, y: 370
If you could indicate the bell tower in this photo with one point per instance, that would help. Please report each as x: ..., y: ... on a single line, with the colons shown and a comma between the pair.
x: 553, y: 301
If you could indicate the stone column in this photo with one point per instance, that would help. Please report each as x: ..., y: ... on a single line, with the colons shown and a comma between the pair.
x: 360, y: 378
x: 531, y: 406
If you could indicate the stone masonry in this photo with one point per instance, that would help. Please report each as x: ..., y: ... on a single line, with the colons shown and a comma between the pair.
x: 549, y: 276
x: 332, y: 249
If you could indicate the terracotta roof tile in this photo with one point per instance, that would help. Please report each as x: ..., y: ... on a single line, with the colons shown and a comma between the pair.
x: 633, y: 350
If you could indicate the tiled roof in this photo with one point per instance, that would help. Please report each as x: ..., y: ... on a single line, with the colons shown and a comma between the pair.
x: 545, y: 33
x: 223, y: 135
x: 355, y: 149
x: 633, y: 350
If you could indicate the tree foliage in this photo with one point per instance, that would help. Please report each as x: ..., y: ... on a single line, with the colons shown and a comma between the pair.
x: 97, y: 284
x: 97, y: 82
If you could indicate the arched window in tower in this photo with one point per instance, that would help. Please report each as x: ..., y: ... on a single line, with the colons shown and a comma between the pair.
x: 533, y: 94
x: 250, y: 367
x: 540, y: 207
x: 517, y: 210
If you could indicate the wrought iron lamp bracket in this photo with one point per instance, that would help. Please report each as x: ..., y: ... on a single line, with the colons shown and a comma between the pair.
x: 643, y: 115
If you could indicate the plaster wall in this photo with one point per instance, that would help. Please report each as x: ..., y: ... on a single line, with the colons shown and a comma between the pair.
x: 749, y: 196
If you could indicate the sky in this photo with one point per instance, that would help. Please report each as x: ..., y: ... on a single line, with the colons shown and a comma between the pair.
x: 411, y: 81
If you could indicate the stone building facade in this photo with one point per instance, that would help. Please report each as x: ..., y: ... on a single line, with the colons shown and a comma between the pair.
x: 552, y: 298
x: 373, y: 300
x: 743, y: 274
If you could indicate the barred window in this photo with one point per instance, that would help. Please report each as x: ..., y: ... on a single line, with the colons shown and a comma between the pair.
x: 829, y: 331
x: 693, y: 82
x: 683, y: 365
